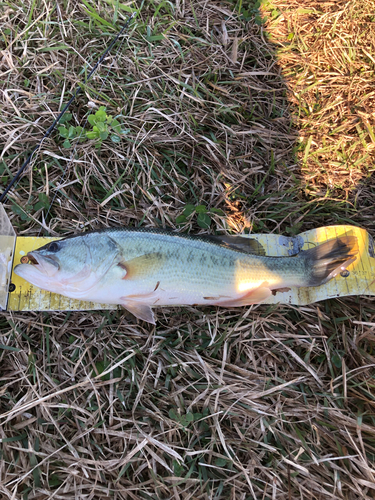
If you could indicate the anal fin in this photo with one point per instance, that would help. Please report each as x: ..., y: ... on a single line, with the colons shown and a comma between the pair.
x: 251, y: 297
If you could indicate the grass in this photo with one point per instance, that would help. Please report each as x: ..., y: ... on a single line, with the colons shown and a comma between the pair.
x: 330, y: 72
x: 234, y: 124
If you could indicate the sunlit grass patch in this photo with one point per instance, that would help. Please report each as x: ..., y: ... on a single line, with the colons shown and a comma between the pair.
x: 324, y: 54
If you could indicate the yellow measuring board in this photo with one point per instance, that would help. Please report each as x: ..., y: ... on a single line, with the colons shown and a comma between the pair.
x: 359, y: 281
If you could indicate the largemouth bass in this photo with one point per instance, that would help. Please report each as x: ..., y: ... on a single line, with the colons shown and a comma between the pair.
x: 143, y: 268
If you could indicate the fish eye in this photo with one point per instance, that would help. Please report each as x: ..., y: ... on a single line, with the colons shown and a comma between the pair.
x: 54, y: 247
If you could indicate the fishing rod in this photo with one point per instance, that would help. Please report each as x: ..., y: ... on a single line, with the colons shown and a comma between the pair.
x: 57, y: 120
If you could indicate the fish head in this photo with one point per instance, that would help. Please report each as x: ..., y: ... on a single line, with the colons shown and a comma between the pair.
x: 71, y: 265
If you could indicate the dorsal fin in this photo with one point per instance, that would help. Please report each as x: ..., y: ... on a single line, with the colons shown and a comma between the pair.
x: 240, y: 243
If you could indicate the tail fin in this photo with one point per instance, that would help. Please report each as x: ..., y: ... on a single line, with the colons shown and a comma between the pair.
x: 330, y: 258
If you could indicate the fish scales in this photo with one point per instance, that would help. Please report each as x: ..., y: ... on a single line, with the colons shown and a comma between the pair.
x: 140, y: 268
x: 199, y: 267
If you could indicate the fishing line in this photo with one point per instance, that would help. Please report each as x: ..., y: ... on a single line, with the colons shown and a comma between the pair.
x: 53, y: 126
x: 80, y: 135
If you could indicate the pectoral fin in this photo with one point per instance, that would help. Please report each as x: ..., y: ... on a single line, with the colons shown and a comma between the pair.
x: 251, y: 297
x: 142, y: 266
x: 140, y: 311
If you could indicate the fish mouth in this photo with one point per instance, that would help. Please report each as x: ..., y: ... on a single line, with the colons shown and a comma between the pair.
x: 32, y: 259
x: 46, y: 265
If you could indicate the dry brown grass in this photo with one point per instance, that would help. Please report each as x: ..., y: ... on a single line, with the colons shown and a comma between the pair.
x: 265, y: 402
x: 327, y: 56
